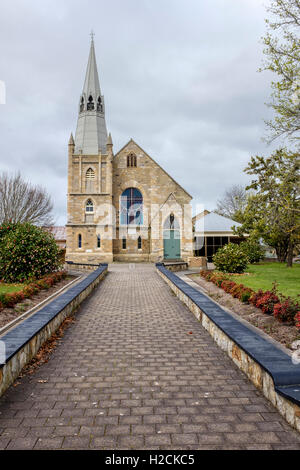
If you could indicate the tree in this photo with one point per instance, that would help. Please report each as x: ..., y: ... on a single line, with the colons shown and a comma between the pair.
x: 233, y: 203
x: 273, y: 211
x: 22, y: 202
x: 26, y: 252
x: 282, y: 52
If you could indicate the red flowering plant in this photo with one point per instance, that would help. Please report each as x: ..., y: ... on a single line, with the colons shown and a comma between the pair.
x: 12, y: 298
x: 267, y: 301
x: 287, y: 310
x: 297, y: 320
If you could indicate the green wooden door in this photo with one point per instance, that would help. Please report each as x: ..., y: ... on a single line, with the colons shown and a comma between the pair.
x: 171, y: 244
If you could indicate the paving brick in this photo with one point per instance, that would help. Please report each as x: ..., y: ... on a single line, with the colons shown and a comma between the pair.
x: 127, y: 376
x: 22, y: 443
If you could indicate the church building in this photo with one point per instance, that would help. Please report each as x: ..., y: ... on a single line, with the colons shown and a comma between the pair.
x: 121, y: 206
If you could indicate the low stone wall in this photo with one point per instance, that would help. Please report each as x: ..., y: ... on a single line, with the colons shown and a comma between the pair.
x: 23, y: 342
x: 269, y: 368
x: 197, y: 262
x: 176, y: 267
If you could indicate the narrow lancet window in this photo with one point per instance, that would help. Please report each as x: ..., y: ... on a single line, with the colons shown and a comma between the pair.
x: 90, y: 105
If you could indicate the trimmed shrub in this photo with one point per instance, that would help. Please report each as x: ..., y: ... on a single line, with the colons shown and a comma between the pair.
x: 230, y: 259
x: 253, y: 250
x: 26, y: 252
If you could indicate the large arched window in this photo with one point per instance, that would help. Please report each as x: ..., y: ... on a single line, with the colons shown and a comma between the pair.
x: 131, y: 207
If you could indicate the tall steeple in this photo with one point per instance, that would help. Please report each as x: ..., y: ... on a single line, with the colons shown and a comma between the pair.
x: 91, y: 133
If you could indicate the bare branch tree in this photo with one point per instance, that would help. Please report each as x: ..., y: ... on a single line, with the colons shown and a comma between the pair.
x: 232, y: 203
x: 22, y: 202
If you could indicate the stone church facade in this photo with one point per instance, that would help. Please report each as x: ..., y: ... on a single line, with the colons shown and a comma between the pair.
x: 123, y: 206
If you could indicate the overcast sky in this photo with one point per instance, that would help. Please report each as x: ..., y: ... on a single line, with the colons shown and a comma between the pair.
x: 178, y: 76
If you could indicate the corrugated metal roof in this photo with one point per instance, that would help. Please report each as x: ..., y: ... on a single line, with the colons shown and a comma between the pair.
x: 213, y: 222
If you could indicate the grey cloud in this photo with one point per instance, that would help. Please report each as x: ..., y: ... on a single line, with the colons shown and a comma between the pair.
x: 178, y: 77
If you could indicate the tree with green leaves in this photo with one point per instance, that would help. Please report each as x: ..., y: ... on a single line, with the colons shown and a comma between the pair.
x: 273, y: 211
x: 282, y: 57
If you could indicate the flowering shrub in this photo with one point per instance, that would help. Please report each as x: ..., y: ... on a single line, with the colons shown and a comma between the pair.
x: 230, y: 259
x: 267, y: 301
x: 26, y: 252
x: 12, y: 298
x: 297, y: 320
x: 285, y: 309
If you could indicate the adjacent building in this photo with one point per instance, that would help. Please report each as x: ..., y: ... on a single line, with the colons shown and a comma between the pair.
x: 211, y: 232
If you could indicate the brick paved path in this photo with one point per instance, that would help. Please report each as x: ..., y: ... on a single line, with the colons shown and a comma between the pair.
x: 128, y: 374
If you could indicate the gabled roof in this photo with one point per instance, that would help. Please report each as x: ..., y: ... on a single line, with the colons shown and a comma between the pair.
x: 212, y: 222
x: 131, y: 140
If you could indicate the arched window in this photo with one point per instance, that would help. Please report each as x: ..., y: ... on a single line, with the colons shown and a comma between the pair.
x: 82, y: 104
x: 171, y: 223
x: 98, y: 241
x: 124, y: 243
x: 89, y: 207
x: 79, y: 241
x: 90, y: 105
x: 90, y: 174
x: 131, y: 160
x: 139, y: 243
x: 99, y: 105
x: 89, y: 180
x: 131, y: 206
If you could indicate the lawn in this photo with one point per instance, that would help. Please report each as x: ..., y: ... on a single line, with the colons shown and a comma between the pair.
x: 263, y: 275
x: 5, y: 288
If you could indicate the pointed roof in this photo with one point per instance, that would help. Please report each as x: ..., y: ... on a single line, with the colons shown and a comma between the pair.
x: 91, y: 132
x: 71, y: 140
x: 91, y: 83
x: 131, y: 140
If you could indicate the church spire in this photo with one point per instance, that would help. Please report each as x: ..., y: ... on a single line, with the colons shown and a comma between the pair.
x: 91, y: 133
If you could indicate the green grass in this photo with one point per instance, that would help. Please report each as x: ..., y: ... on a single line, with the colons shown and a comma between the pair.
x: 5, y: 288
x: 263, y: 275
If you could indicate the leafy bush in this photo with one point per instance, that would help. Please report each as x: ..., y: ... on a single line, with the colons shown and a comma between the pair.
x: 268, y: 300
x: 286, y: 311
x: 253, y: 250
x: 297, y: 320
x: 26, y: 252
x: 217, y: 278
x: 230, y: 259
